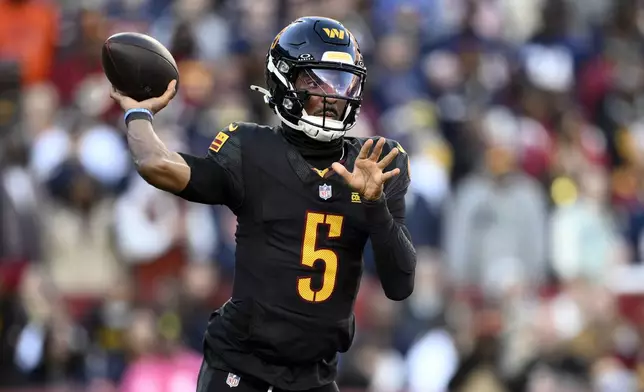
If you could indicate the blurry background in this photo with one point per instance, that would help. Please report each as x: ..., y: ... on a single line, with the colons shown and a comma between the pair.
x: 524, y: 120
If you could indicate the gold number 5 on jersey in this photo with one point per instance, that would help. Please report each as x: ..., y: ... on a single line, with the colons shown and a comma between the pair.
x: 310, y: 254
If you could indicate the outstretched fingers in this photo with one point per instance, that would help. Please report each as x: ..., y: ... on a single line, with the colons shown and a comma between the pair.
x: 377, y: 150
x: 364, y: 151
x: 388, y: 159
x: 390, y: 174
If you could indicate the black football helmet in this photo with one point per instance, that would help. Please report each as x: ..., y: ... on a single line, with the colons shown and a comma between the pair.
x: 329, y: 55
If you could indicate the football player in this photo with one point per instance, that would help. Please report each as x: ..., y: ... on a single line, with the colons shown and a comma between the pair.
x: 307, y: 198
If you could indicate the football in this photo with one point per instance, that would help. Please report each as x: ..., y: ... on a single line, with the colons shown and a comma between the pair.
x: 138, y: 65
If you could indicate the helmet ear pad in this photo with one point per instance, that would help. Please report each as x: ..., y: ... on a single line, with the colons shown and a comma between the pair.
x: 284, y: 96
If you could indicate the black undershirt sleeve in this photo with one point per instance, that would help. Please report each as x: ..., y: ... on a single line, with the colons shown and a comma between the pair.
x: 394, y: 253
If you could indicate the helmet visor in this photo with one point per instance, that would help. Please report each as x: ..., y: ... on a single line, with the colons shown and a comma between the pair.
x: 330, y: 82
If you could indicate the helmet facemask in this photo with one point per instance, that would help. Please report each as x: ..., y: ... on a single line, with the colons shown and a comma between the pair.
x: 332, y: 92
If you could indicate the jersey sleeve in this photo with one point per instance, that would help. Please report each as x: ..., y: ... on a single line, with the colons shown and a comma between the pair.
x: 217, y: 177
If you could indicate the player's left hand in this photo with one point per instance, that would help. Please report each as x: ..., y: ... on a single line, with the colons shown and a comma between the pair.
x: 367, y: 177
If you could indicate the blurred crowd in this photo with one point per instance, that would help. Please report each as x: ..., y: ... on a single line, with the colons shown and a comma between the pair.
x: 524, y: 121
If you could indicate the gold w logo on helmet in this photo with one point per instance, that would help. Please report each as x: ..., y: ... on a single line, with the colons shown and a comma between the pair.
x: 334, y: 33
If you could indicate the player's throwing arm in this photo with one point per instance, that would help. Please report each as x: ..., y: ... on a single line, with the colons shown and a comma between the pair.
x: 141, y: 93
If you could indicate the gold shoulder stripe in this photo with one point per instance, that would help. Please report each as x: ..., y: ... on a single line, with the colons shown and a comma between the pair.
x: 219, y: 141
x: 400, y: 148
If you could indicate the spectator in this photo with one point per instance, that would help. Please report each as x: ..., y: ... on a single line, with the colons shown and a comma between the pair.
x: 28, y: 36
x: 489, y: 245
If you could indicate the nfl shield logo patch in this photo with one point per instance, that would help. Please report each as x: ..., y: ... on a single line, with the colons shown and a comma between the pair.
x: 233, y: 380
x: 325, y: 191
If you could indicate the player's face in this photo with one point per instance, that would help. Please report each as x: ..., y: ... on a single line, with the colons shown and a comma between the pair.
x: 326, y: 87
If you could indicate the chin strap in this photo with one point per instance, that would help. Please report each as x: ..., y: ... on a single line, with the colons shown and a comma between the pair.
x: 266, y: 93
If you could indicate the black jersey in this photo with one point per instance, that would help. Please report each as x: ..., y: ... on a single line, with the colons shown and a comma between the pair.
x: 300, y: 238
